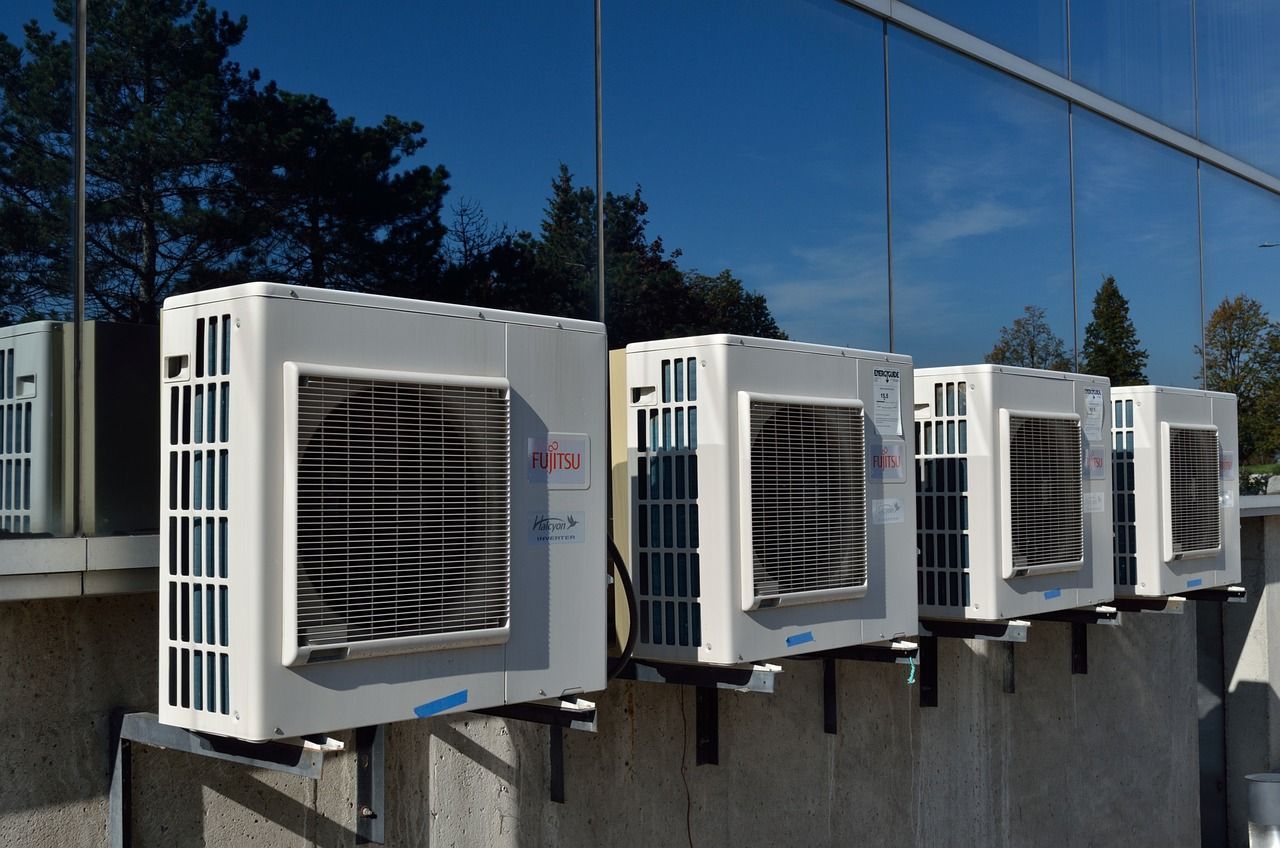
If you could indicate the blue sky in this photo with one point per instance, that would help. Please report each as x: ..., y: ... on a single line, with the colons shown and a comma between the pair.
x: 757, y: 133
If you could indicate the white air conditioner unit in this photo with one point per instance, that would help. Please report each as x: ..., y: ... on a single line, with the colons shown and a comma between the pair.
x: 1013, y: 501
x: 771, y: 506
x: 31, y: 456
x: 119, y: 472
x: 375, y: 509
x: 1176, y: 509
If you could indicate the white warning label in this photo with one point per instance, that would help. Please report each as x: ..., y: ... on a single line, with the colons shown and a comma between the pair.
x: 886, y: 401
x: 1094, y: 410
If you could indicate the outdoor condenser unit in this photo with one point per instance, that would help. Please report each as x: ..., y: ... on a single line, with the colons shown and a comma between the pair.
x: 375, y: 509
x: 1013, y: 512
x: 771, y: 505
x: 1176, y: 509
x: 119, y: 471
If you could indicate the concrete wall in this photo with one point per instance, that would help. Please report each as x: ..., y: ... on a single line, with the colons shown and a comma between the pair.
x: 1239, y: 705
x: 1104, y: 759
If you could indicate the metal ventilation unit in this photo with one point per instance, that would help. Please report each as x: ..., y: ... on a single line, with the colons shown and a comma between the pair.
x: 1176, y: 509
x: 375, y: 509
x: 770, y: 503
x: 1013, y: 501
x: 119, y: 470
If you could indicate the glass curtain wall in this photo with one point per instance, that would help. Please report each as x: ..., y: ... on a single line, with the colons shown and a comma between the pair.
x: 1238, y: 219
x: 1207, y: 68
x: 1139, y: 53
x: 759, y: 141
x: 981, y: 204
x: 1136, y: 221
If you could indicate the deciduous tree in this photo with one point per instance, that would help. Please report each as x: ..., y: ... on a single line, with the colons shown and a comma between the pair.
x: 1030, y: 343
x: 1242, y: 355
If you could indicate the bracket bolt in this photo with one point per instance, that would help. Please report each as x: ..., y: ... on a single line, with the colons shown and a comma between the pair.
x: 366, y: 812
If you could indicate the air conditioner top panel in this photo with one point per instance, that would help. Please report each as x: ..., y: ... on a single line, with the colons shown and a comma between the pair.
x: 726, y: 340
x: 987, y: 368
x: 377, y: 301
x: 29, y: 328
x: 1134, y: 391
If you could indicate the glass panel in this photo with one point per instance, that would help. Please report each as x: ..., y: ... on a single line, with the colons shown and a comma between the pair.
x: 1138, y: 52
x: 1032, y: 29
x: 769, y: 161
x: 1136, y: 221
x: 981, y: 204
x: 1237, y: 218
x: 1237, y: 66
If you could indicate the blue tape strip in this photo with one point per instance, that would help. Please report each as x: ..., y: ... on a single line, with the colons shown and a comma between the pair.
x: 799, y: 638
x: 1191, y: 584
x: 1052, y: 593
x: 439, y: 705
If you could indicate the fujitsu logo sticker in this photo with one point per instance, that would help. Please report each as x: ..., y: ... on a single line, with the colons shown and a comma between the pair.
x: 887, y: 461
x: 560, y: 461
x: 554, y: 459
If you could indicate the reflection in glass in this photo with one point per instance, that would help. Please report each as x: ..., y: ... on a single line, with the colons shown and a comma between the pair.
x: 1033, y: 29
x: 1136, y: 221
x: 1238, y: 66
x: 1138, y: 52
x: 981, y: 208
x: 1237, y: 217
x: 758, y: 155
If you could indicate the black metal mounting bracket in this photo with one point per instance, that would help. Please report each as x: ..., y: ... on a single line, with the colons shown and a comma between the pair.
x: 371, y: 776
x: 559, y: 715
x: 1080, y: 619
x: 1007, y: 632
x: 304, y: 758
x: 1171, y: 605
x: 1223, y: 595
x: 707, y: 681
x: 896, y: 652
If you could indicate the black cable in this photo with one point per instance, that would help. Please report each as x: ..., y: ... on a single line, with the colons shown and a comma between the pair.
x: 616, y: 664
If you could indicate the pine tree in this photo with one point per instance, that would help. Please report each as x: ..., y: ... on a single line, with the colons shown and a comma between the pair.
x: 1110, y: 341
x: 196, y: 175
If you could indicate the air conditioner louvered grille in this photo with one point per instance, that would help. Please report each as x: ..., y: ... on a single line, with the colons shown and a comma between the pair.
x: 808, y: 497
x: 1193, y: 489
x: 942, y: 498
x: 195, y: 533
x: 1124, y: 505
x: 16, y: 454
x: 1046, y: 518
x: 403, y: 509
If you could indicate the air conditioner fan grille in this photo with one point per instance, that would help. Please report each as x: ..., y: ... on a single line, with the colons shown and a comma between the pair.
x: 1045, y: 510
x: 1193, y: 489
x: 808, y: 497
x: 403, y: 509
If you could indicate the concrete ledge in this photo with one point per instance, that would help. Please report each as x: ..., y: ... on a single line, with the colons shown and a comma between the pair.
x: 75, y: 584
x: 31, y: 569
x: 1252, y: 506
